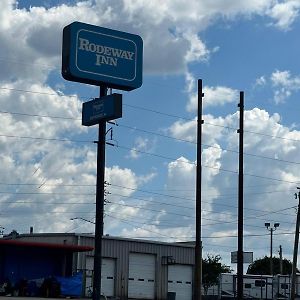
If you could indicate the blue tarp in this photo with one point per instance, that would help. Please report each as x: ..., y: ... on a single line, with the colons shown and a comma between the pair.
x: 70, y: 286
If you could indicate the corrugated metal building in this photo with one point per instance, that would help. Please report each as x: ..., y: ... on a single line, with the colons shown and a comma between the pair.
x: 132, y: 269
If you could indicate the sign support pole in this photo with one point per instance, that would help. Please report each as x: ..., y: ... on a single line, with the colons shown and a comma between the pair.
x: 99, y: 204
x: 240, y: 257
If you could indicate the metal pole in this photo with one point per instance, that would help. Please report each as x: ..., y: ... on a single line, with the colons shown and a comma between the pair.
x: 240, y: 201
x: 294, y: 269
x: 280, y: 256
x: 198, y: 246
x: 271, y: 252
x: 99, y: 204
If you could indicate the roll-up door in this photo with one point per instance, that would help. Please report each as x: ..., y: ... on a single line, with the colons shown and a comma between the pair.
x: 141, y: 279
x: 107, y: 276
x: 180, y: 281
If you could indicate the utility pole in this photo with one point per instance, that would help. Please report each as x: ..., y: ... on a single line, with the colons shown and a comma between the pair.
x: 198, y: 245
x: 294, y: 269
x: 280, y: 257
x: 240, y: 258
x: 271, y: 229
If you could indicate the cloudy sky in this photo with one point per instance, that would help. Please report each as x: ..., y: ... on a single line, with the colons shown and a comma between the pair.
x: 48, y: 160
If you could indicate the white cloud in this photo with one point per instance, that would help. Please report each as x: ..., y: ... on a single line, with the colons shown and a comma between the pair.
x: 173, y: 35
x: 198, y: 50
x: 43, y: 101
x: 190, y: 82
x: 283, y: 78
x: 185, y: 130
x: 261, y: 81
x: 41, y: 169
x: 285, y: 85
x: 219, y: 173
x: 181, y: 173
x: 214, y: 96
x: 141, y: 145
x: 285, y: 13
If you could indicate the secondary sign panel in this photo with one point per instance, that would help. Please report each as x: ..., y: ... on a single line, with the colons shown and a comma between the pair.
x: 102, y: 56
x: 247, y: 257
x: 104, y: 108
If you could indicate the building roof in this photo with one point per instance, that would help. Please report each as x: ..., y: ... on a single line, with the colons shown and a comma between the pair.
x: 190, y: 244
x: 63, y: 247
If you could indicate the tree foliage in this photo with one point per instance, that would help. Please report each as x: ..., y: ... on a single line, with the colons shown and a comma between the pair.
x: 261, y: 266
x: 211, y: 269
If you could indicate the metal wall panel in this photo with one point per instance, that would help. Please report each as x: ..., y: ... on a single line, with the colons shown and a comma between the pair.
x: 142, y: 276
x: 120, y: 249
x: 108, y: 276
x: 180, y: 279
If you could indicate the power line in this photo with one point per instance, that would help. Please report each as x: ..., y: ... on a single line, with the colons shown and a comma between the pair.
x: 174, y: 196
x: 207, y: 145
x: 40, y: 116
x: 143, y: 208
x: 208, y: 195
x: 224, y: 236
x: 58, y: 94
x: 48, y: 193
x: 215, y: 223
x: 175, y: 190
x: 120, y: 187
x: 209, y: 219
x: 159, y: 112
x: 161, y: 135
x: 205, y: 166
x: 145, y: 191
x: 129, y: 223
x: 45, y: 139
x: 157, y: 155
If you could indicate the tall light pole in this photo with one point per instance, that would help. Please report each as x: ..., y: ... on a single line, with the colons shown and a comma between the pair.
x: 271, y: 229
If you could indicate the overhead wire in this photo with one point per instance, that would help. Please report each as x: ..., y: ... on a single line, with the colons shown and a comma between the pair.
x: 143, y: 199
x: 220, y: 169
x: 146, y: 109
x: 158, y: 134
x: 157, y: 155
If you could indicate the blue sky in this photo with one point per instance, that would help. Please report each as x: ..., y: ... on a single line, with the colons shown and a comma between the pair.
x: 48, y: 159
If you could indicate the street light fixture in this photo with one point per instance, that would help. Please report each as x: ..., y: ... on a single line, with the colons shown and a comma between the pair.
x: 271, y: 229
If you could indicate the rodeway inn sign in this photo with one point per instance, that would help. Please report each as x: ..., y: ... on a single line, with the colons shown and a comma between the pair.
x: 101, y: 56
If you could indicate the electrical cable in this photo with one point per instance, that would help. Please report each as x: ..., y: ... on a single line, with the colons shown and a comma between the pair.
x: 177, y: 197
x: 157, y: 134
x: 150, y: 110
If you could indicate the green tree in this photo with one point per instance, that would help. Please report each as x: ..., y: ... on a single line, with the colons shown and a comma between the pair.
x: 261, y: 266
x: 211, y: 269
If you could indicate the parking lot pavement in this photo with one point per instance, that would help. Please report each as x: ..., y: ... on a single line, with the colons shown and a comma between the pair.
x: 36, y: 298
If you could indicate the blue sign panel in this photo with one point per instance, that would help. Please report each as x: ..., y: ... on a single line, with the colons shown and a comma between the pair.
x: 101, y: 56
x: 104, y: 108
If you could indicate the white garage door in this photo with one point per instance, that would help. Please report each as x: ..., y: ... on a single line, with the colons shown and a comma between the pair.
x: 141, y: 279
x: 180, y: 281
x: 107, y: 276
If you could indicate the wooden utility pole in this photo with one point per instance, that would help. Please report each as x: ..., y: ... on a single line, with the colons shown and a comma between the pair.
x: 198, y: 246
x: 294, y: 269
